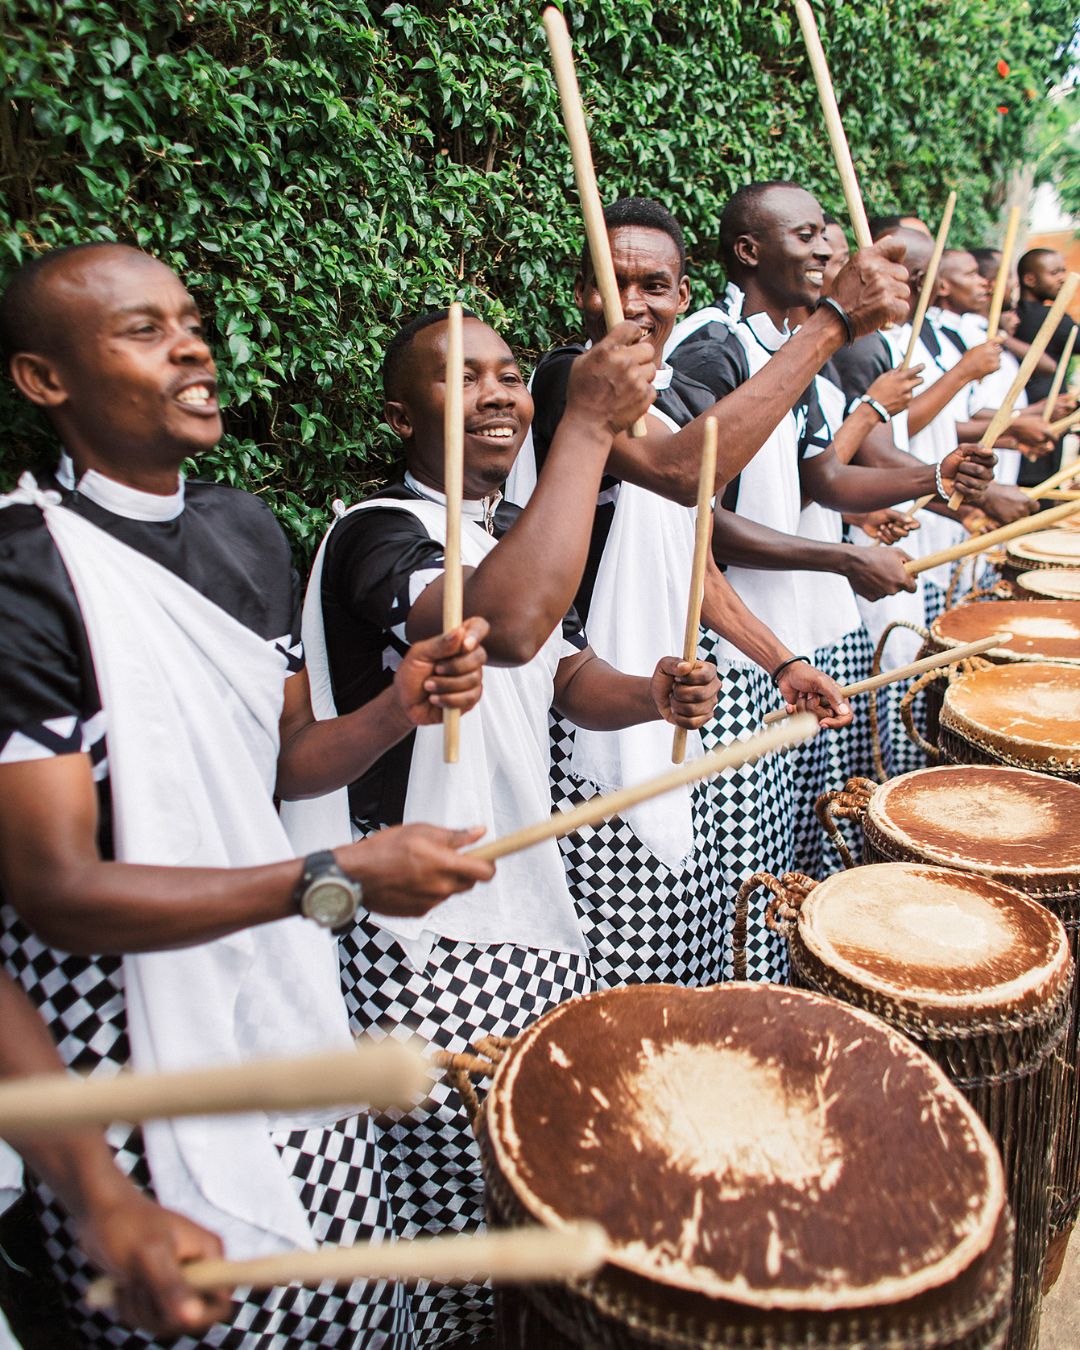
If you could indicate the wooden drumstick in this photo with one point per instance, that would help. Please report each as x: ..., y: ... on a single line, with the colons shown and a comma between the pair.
x: 1001, y: 281
x: 1000, y: 419
x: 1065, y: 474
x: 906, y: 672
x: 577, y: 133
x: 930, y: 280
x: 835, y: 127
x: 1062, y: 425
x: 597, y: 809
x: 978, y: 543
x: 702, y: 540
x: 1059, y: 376
x: 508, y: 1257
x: 453, y: 486
x: 377, y: 1073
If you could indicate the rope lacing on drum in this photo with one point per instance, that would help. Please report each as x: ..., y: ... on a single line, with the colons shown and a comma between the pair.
x: 846, y: 803
x: 875, y: 669
x: 788, y: 893
x: 458, y: 1068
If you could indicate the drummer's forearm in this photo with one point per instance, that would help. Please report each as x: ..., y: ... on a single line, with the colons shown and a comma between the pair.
x: 594, y: 695
x: 724, y: 612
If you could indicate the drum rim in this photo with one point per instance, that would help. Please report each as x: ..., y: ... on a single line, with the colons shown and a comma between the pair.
x: 932, y: 1276
x: 998, y: 1000
x: 1028, y: 578
x: 931, y: 857
x: 955, y: 719
x: 944, y: 641
x: 1015, y: 547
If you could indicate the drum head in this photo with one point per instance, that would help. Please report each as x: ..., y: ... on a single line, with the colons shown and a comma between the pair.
x: 1054, y: 583
x: 1039, y: 630
x: 1046, y: 546
x: 983, y: 819
x: 1027, y: 712
x: 931, y: 938
x: 747, y: 1142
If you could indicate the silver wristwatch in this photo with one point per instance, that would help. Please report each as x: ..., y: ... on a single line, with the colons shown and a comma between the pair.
x: 325, y: 894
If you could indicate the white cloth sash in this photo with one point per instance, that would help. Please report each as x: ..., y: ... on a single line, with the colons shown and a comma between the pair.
x: 192, y: 700
x: 637, y: 615
x: 501, y: 780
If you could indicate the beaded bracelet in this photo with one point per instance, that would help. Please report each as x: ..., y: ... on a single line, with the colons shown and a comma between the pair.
x: 877, y: 407
x: 940, y: 485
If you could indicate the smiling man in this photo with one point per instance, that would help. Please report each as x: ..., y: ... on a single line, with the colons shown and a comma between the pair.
x: 152, y: 705
x: 490, y: 965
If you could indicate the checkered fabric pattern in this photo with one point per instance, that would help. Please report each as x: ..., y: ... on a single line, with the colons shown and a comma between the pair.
x: 745, y: 818
x: 832, y: 757
x: 643, y: 922
x: 337, y: 1172
x: 432, y: 1161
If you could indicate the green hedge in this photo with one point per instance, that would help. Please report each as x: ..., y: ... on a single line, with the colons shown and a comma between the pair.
x: 316, y: 171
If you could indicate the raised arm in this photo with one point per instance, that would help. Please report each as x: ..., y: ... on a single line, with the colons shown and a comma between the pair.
x: 975, y: 363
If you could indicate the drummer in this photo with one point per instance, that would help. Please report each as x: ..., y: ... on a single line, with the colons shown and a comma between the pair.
x: 688, y: 853
x: 152, y: 703
x: 493, y: 964
x: 772, y: 236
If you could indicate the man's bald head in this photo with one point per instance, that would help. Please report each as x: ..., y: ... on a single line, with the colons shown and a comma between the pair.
x: 35, y: 308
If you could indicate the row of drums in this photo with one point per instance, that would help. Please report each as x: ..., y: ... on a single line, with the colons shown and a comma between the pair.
x: 885, y: 1155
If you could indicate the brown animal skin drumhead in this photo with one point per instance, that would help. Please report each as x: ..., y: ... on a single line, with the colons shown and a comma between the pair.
x: 1029, y: 711
x: 747, y: 1142
x: 1053, y: 583
x: 1046, y: 546
x: 930, y: 937
x: 1046, y: 630
x: 983, y: 819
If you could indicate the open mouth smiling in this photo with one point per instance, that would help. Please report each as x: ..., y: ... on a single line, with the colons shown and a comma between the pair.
x: 199, y: 396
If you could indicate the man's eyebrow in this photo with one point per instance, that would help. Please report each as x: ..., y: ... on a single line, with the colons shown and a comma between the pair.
x: 508, y: 360
x: 148, y: 307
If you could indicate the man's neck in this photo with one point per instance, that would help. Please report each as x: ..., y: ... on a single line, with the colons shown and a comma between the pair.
x: 160, y: 480
x: 428, y: 481
x: 1031, y: 299
x: 757, y: 301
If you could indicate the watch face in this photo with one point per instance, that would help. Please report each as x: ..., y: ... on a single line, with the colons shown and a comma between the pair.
x: 330, y: 901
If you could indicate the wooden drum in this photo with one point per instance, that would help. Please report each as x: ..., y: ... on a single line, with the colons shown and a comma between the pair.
x: 1044, y: 548
x: 980, y: 977
x: 1050, y: 583
x: 1012, y: 826
x: 1039, y: 630
x: 1026, y: 715
x: 773, y: 1169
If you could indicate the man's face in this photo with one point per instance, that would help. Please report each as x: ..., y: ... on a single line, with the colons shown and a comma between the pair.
x: 788, y: 252
x: 132, y: 375
x: 498, y: 407
x: 961, y: 287
x: 837, y: 241
x: 652, y: 288
x: 1045, y: 276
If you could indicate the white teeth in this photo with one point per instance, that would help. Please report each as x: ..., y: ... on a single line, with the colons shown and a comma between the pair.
x: 496, y: 433
x: 196, y: 394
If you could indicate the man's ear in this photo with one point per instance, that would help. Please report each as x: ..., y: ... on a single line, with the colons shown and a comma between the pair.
x: 579, y: 291
x: 38, y: 379
x: 747, y: 251
x: 684, y: 295
x: 399, y: 419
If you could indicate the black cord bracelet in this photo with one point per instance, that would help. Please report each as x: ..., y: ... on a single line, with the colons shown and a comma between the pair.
x: 792, y: 660
x: 842, y: 315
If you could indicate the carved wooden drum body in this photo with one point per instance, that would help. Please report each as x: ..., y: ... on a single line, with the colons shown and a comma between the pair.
x: 1044, y: 548
x: 1015, y: 827
x: 773, y: 1169
x: 980, y: 977
x: 1050, y: 583
x: 1026, y: 715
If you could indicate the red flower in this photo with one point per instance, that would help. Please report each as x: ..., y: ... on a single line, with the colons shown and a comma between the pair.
x: 1003, y: 68
x: 1002, y: 108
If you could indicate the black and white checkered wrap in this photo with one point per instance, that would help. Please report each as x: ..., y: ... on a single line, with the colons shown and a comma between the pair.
x: 832, y: 757
x: 746, y: 819
x: 338, y: 1173
x: 643, y: 922
x: 431, y: 1158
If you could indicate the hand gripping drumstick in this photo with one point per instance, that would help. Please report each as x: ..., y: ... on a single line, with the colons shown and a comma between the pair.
x: 834, y: 126
x: 997, y: 300
x: 453, y: 481
x: 702, y: 538
x: 1059, y: 376
x: 377, y: 1073
x: 1063, y: 475
x: 562, y: 58
x: 597, y: 809
x: 524, y: 1254
x: 906, y: 672
x: 979, y: 542
x: 930, y: 280
x: 1060, y: 427
x: 1000, y: 419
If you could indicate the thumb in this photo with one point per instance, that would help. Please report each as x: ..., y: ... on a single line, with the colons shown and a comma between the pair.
x: 890, y: 247
x: 471, y: 834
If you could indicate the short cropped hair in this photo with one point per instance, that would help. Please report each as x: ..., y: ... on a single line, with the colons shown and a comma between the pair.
x: 398, y: 348
x: 25, y: 318
x: 883, y: 225
x: 646, y: 214
x: 742, y: 215
x: 1031, y: 257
